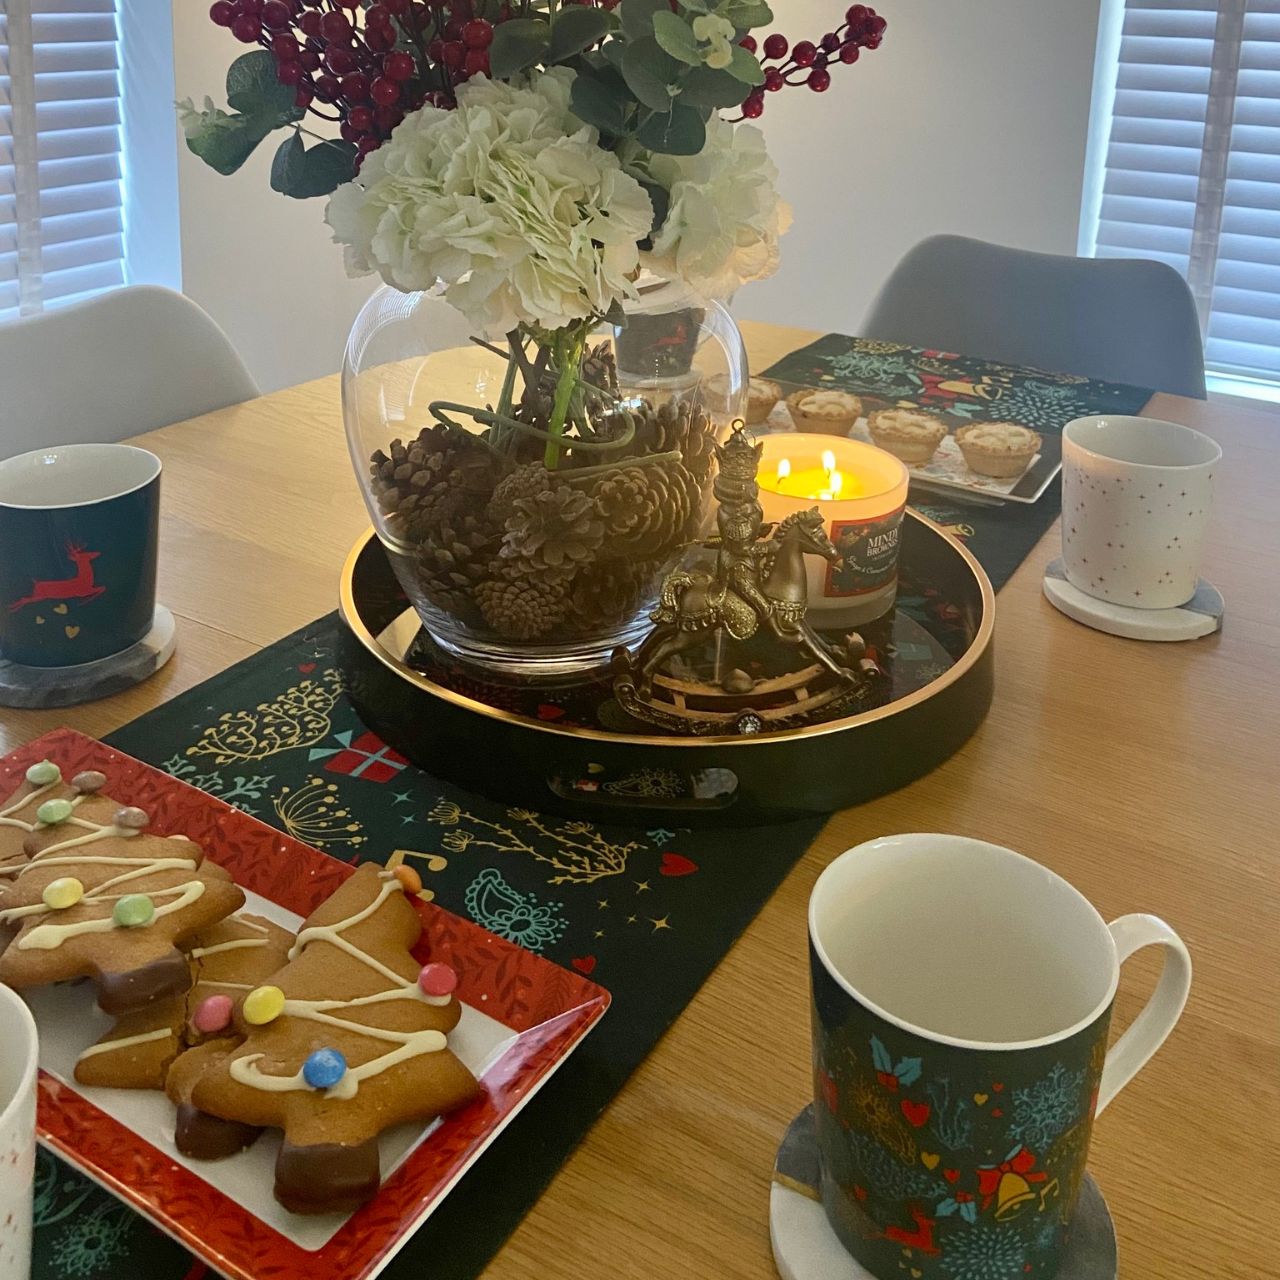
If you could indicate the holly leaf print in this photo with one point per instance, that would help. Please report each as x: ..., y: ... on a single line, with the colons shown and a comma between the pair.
x: 907, y: 1071
x: 880, y: 1055
x: 946, y: 1208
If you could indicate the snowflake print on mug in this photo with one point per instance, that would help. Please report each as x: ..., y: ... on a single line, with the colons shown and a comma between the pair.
x: 1048, y: 1107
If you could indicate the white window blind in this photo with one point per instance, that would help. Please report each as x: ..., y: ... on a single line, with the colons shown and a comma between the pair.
x: 1192, y: 165
x: 61, y: 197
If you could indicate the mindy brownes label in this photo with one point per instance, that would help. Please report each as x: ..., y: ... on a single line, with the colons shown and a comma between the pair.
x: 868, y: 555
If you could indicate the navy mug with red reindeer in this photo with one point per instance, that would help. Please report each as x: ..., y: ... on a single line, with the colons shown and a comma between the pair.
x: 79, y: 526
x: 961, y: 1004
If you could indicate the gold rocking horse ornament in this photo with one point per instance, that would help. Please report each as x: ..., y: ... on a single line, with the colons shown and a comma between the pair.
x: 759, y: 586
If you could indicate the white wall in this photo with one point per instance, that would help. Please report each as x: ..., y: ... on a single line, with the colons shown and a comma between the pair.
x: 971, y: 118
x: 260, y: 263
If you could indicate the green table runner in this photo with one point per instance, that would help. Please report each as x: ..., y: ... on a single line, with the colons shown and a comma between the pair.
x: 648, y: 914
x: 964, y: 389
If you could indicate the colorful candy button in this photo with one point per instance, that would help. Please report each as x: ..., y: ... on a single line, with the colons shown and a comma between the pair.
x: 44, y: 772
x: 213, y: 1014
x: 437, y: 979
x: 54, y: 811
x: 62, y: 893
x: 131, y: 819
x: 324, y: 1068
x: 133, y: 910
x: 409, y: 878
x: 89, y: 781
x: 263, y: 1005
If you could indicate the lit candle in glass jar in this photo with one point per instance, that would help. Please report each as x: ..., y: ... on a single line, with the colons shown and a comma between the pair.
x: 862, y: 493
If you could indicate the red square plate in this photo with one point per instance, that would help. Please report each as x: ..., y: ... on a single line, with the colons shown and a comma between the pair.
x: 522, y: 1017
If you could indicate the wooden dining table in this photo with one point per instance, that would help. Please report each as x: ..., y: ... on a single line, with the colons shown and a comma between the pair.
x: 1146, y: 774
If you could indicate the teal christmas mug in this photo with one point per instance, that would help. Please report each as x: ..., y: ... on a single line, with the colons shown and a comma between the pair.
x: 79, y: 526
x: 962, y: 999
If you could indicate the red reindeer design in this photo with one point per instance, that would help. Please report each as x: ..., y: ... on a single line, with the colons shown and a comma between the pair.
x: 921, y: 1238
x: 81, y: 587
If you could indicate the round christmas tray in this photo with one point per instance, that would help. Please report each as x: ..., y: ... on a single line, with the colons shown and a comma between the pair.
x: 572, y: 749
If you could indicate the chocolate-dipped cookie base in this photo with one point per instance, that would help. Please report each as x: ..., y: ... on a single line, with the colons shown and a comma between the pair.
x: 205, y: 1137
x: 125, y: 992
x: 327, y: 1178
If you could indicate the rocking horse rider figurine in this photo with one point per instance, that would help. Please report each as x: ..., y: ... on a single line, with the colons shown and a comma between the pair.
x: 759, y: 581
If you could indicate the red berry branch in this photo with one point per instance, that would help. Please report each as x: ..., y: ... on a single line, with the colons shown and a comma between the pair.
x: 807, y: 61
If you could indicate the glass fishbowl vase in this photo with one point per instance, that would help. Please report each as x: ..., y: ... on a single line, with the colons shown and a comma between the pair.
x: 532, y: 492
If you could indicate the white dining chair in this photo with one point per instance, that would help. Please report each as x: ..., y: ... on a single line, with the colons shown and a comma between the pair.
x: 126, y: 361
x: 1118, y: 319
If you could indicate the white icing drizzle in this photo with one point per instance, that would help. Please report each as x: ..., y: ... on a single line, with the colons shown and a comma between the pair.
x: 410, y: 1044
x: 214, y: 982
x: 237, y: 945
x: 46, y: 937
x: 6, y: 814
x: 125, y: 1042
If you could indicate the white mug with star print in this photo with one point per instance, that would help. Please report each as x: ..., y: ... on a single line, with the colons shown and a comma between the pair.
x: 18, y: 1052
x: 1136, y: 497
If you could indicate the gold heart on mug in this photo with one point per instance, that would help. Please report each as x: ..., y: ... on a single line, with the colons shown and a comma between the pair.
x: 39, y: 621
x: 71, y: 632
x: 929, y: 1159
x: 59, y: 608
x: 981, y: 1099
x: 916, y: 1272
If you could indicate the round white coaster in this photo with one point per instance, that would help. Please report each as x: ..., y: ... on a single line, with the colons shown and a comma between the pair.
x: 806, y: 1248
x: 66, y: 686
x: 1200, y: 616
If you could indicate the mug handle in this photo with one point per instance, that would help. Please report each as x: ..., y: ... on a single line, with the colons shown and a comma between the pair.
x: 1151, y: 1027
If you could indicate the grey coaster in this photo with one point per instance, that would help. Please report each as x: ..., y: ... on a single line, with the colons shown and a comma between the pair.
x: 1200, y: 616
x: 806, y: 1248
x: 66, y: 686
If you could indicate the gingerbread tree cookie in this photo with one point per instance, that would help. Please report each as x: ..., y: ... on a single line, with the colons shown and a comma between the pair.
x: 99, y: 897
x: 42, y: 785
x: 227, y: 960
x: 348, y: 1039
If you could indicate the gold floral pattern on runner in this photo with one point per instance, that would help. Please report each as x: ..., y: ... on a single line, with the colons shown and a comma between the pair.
x: 313, y: 814
x: 299, y: 717
x: 579, y: 852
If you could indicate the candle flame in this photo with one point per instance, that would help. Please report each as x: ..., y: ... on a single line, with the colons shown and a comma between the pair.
x: 828, y: 460
x: 784, y: 468
x: 835, y: 482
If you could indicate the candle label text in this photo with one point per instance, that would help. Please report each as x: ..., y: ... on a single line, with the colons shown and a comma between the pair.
x: 869, y: 551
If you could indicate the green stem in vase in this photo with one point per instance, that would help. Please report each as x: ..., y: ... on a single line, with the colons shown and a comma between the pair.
x: 567, y: 354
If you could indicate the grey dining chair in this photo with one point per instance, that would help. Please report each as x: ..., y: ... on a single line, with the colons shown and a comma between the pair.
x: 1118, y: 319
x: 126, y: 361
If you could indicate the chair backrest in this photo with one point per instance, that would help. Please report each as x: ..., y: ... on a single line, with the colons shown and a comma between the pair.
x: 1118, y: 319
x: 123, y: 362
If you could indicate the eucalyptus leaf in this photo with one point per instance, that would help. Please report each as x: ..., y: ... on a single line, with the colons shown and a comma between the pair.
x: 637, y: 16
x: 227, y: 147
x: 651, y: 74
x: 676, y: 36
x: 704, y: 87
x: 286, y: 168
x: 681, y: 132
x: 254, y: 91
x: 326, y: 166
x: 745, y: 67
x: 518, y: 45
x: 575, y: 30
x: 596, y: 103
x: 748, y: 13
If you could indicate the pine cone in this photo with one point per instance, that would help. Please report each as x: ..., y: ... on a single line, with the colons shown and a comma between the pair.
x: 649, y: 510
x: 524, y: 609
x: 523, y: 482
x: 453, y: 559
x: 431, y: 479
x: 606, y: 594
x: 676, y: 425
x: 553, y: 532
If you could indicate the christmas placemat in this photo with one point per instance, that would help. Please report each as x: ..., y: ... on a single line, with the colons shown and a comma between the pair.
x: 965, y: 389
x: 646, y: 913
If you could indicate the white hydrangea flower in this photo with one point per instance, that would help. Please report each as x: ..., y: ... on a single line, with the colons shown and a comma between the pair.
x: 508, y: 199
x: 725, y: 217
x: 718, y: 33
